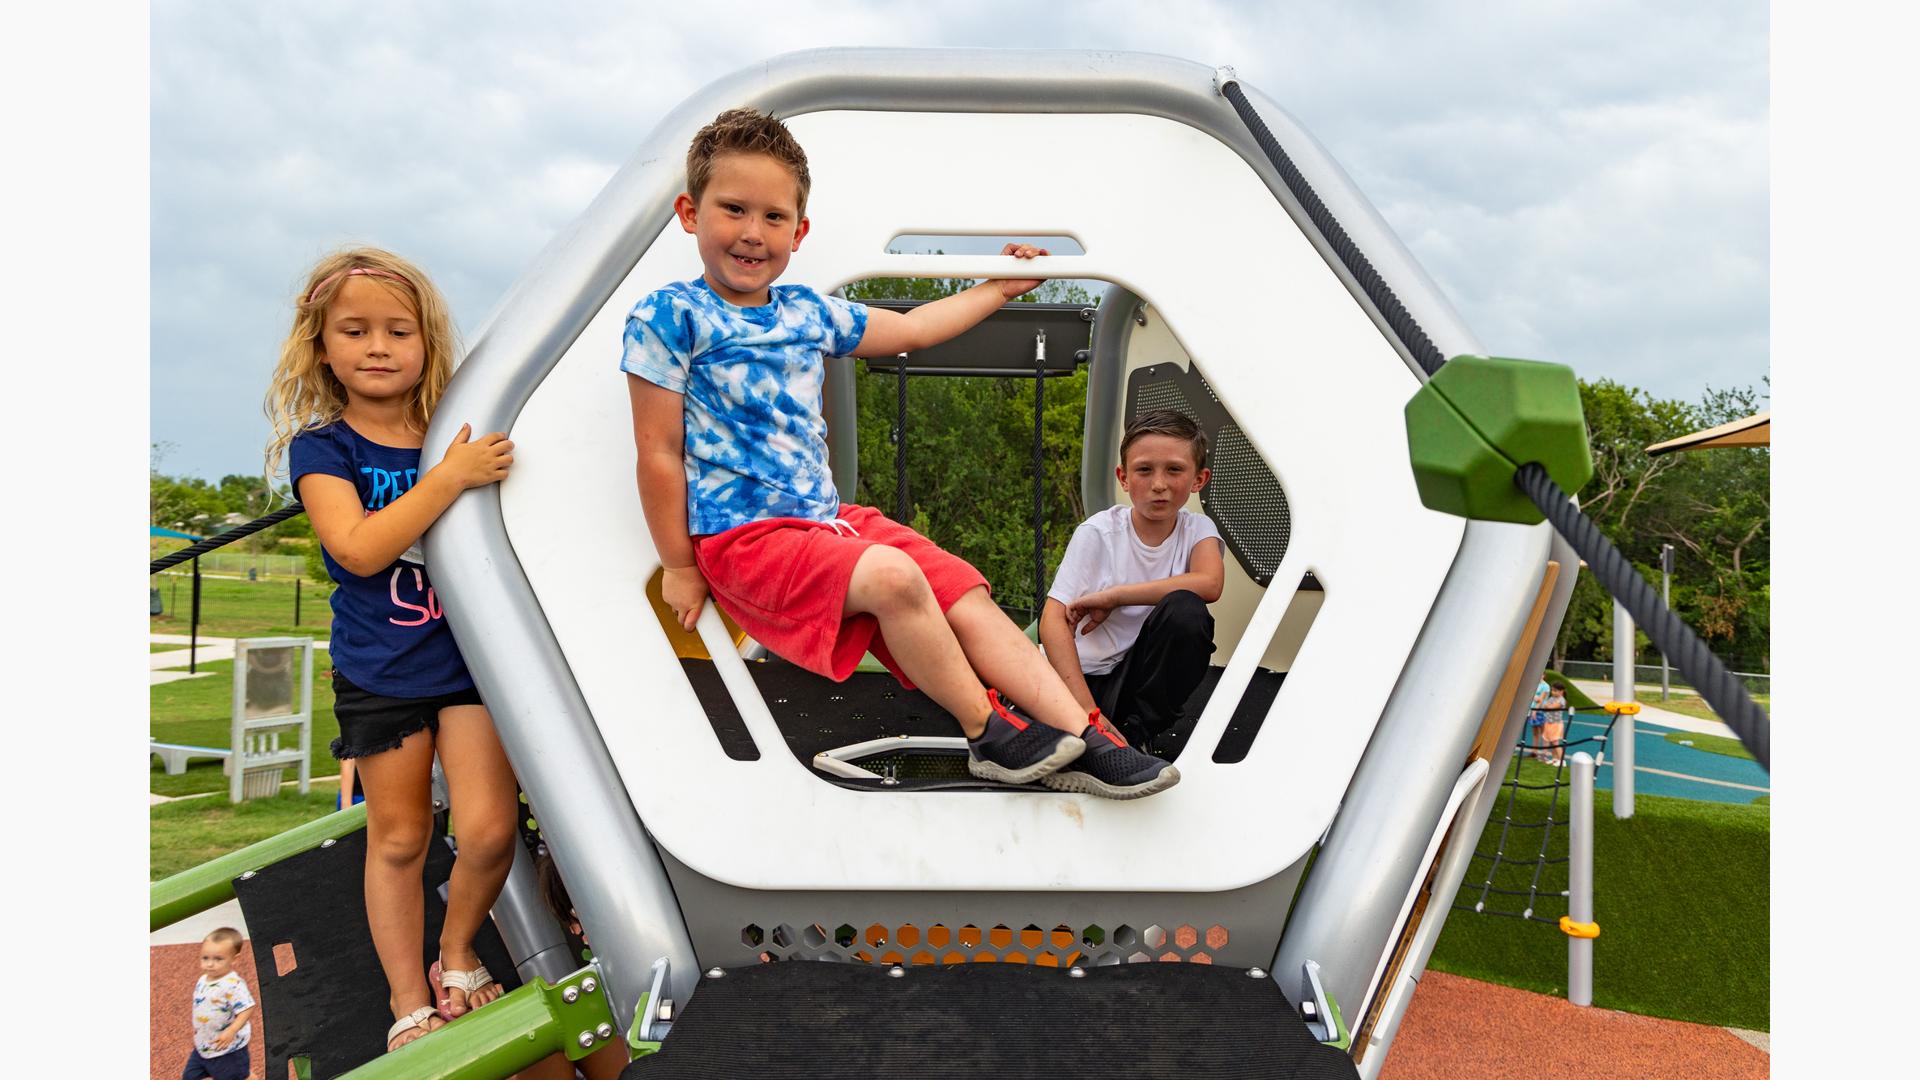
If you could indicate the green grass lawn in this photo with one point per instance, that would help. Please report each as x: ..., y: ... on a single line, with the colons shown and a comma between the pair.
x: 232, y: 608
x: 1681, y: 896
x: 157, y: 647
x: 198, y: 712
x: 187, y: 833
x: 1712, y: 744
x: 1689, y: 704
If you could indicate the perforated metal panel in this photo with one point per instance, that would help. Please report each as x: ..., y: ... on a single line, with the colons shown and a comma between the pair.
x: 937, y: 943
x: 1244, y: 497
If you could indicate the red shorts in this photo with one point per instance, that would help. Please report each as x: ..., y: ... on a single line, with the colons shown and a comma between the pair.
x: 785, y: 581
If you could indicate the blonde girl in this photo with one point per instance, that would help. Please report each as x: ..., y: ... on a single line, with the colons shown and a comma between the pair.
x: 369, y: 356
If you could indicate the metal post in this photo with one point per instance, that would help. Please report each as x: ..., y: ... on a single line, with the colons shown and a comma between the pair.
x: 1580, y: 882
x: 534, y: 939
x: 1039, y: 471
x: 296, y: 602
x: 1666, y: 601
x: 193, y: 632
x: 1621, y: 745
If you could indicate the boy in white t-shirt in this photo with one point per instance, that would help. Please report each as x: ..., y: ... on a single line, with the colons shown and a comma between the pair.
x: 1126, y: 622
x: 222, y: 1012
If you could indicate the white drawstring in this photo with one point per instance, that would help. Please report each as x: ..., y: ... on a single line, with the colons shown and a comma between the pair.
x: 838, y: 522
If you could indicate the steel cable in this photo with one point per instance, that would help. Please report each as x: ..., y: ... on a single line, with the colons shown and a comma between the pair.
x: 1726, y: 694
x: 238, y: 532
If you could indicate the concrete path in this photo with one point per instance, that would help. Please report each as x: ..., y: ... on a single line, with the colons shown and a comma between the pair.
x: 1652, y: 712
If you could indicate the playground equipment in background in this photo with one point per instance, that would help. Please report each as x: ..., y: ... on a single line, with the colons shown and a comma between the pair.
x: 1360, y: 705
x: 272, y: 720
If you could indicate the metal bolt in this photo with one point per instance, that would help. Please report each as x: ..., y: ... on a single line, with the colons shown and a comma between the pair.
x: 1256, y: 973
x: 588, y: 985
x: 666, y: 1010
x: 896, y: 971
x: 716, y: 973
x: 1076, y: 972
x: 328, y: 842
x: 248, y: 876
x: 605, y: 1031
x: 586, y: 1040
x: 570, y: 995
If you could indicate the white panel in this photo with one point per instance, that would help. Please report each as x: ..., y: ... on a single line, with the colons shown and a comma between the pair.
x: 1171, y: 214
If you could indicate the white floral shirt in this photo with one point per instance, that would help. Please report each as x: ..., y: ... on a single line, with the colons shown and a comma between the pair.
x: 215, y: 1004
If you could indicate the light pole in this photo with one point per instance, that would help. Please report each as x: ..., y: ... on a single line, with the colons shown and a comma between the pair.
x: 1666, y: 601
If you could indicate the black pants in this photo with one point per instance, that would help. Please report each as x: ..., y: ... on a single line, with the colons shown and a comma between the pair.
x: 1143, y: 694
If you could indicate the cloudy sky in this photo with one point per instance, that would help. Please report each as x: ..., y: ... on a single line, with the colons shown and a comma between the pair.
x: 1586, y: 180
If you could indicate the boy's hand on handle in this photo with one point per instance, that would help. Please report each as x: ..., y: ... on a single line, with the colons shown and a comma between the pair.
x: 477, y: 462
x: 1012, y: 287
x: 685, y: 591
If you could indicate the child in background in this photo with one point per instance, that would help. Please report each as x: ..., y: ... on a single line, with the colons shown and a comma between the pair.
x: 1530, y: 734
x: 368, y: 357
x: 222, y: 1011
x: 1126, y: 622
x: 1553, y: 732
x: 726, y: 378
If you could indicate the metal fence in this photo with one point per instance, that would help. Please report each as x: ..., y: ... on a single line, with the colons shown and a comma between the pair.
x: 1648, y: 675
x: 244, y: 563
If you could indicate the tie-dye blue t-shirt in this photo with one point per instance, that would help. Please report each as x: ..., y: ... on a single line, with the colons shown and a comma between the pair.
x: 756, y: 439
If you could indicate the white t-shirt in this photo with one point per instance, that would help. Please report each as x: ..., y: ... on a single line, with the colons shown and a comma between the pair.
x: 1104, y: 552
x: 215, y: 1004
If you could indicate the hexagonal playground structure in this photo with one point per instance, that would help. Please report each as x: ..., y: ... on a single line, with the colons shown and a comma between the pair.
x: 1372, y: 652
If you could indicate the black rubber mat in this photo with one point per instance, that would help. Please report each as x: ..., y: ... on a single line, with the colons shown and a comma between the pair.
x: 816, y: 713
x: 833, y: 1021
x: 331, y: 1007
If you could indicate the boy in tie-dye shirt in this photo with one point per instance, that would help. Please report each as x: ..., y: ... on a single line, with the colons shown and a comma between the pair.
x: 726, y: 385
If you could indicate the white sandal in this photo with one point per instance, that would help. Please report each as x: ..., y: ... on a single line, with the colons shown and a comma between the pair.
x: 465, y: 981
x: 415, y: 1019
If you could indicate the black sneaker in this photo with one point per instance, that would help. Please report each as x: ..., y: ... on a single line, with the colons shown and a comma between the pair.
x: 1111, y: 769
x: 1016, y: 749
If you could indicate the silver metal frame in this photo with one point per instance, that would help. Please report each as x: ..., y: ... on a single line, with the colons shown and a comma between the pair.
x: 1346, y: 915
x: 837, y: 760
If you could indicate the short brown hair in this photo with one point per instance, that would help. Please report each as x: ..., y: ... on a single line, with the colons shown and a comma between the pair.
x: 1170, y: 422
x: 745, y: 131
x: 226, y: 935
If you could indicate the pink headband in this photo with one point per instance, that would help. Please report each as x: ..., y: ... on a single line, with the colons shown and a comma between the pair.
x: 358, y: 271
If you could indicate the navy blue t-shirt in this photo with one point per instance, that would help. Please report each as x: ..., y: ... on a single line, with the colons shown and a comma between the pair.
x: 389, y: 634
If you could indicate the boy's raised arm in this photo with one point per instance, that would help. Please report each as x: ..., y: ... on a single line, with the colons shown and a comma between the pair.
x: 659, y: 437
x: 889, y: 333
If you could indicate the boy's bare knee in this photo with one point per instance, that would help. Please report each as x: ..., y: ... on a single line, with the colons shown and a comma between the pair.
x: 888, y: 581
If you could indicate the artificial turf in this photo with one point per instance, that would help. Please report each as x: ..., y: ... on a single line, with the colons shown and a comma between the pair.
x: 1680, y: 894
x: 1712, y: 744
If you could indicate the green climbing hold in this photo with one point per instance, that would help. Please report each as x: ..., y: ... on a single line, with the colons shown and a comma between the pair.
x: 1481, y: 418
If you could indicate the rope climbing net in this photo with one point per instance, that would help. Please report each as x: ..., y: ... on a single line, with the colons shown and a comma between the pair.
x: 1528, y: 863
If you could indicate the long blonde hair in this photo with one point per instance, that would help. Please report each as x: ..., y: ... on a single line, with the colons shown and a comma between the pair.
x: 305, y: 393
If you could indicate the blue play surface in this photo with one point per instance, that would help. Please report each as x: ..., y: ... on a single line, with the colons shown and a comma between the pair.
x: 1669, y: 769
